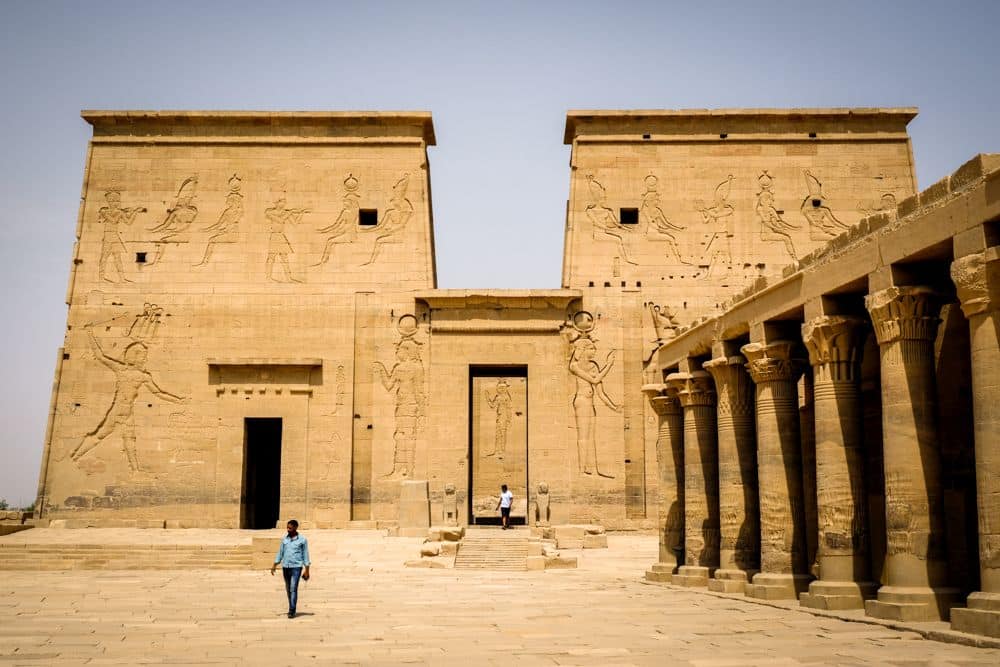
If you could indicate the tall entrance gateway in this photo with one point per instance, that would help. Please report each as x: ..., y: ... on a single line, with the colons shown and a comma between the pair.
x: 498, y: 441
x: 261, y: 496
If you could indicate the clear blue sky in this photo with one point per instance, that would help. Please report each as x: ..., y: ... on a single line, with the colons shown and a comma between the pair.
x: 498, y: 77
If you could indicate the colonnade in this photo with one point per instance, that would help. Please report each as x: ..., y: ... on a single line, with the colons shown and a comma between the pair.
x: 730, y: 450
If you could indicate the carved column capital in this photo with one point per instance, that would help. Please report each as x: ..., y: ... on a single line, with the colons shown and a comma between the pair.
x: 693, y: 388
x: 662, y: 399
x: 835, y: 344
x: 772, y: 362
x: 732, y: 385
x: 977, y: 277
x: 904, y: 313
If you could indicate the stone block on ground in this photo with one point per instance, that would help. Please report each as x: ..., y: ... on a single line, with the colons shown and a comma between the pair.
x: 426, y: 562
x: 534, y: 563
x: 150, y: 523
x: 560, y: 562
x: 449, y: 548
x: 595, y: 541
x: 430, y: 549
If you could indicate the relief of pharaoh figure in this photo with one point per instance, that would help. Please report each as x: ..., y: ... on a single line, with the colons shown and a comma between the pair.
x: 823, y: 224
x: 112, y: 217
x: 278, y: 247
x: 651, y: 215
x: 178, y: 219
x: 406, y: 380
x: 589, y: 375
x: 772, y: 226
x: 605, y: 221
x: 719, y: 248
x: 343, y: 228
x: 130, y: 376
x: 398, y: 213
x: 227, y: 228
x: 502, y: 404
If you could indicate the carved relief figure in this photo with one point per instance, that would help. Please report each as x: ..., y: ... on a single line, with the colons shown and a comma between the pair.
x: 887, y: 200
x: 278, y: 247
x: 652, y: 216
x: 450, y: 505
x: 343, y: 228
x: 589, y: 376
x: 398, y: 213
x: 772, y: 226
x: 130, y: 376
x: 502, y: 404
x: 823, y: 224
x: 112, y: 217
x: 604, y: 219
x: 719, y: 248
x: 406, y: 380
x: 178, y: 218
x: 227, y: 228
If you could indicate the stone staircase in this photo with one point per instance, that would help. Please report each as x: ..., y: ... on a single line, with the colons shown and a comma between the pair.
x: 125, y: 556
x: 493, y: 549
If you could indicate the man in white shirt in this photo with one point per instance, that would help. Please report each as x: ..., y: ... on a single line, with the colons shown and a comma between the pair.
x: 506, y: 499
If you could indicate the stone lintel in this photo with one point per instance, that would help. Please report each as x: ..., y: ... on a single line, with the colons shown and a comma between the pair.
x: 495, y: 299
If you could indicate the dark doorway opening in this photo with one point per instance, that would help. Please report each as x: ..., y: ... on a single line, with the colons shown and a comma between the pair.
x: 261, y: 497
x: 484, y: 484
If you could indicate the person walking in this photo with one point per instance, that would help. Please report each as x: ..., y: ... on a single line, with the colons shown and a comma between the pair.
x: 293, y: 554
x: 506, y: 500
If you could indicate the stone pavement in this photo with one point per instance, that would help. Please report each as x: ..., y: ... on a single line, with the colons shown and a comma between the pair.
x: 364, y: 607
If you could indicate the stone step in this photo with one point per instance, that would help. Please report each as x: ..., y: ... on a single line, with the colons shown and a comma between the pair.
x: 493, y: 550
x: 124, y: 557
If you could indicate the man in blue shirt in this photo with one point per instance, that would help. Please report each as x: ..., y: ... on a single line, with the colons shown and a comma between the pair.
x: 293, y: 554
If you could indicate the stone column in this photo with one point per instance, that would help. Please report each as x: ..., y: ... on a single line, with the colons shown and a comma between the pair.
x: 701, y: 480
x: 739, y: 529
x: 977, y: 277
x: 906, y: 321
x: 779, y: 470
x: 835, y: 347
x: 670, y: 463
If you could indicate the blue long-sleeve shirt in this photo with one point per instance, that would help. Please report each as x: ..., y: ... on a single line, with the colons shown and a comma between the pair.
x: 293, y: 552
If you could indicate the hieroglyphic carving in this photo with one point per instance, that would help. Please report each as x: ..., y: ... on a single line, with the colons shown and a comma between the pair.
x: 589, y: 376
x: 130, y: 376
x: 396, y: 215
x: 772, y: 226
x: 664, y: 322
x: 719, y: 247
x: 823, y: 224
x: 227, y: 228
x: 344, y: 227
x: 178, y: 218
x: 656, y: 223
x: 502, y: 403
x: 112, y: 217
x: 406, y: 380
x: 278, y: 247
x: 606, y: 224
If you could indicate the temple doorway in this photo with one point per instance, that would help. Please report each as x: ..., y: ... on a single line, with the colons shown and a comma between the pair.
x: 260, y: 499
x: 498, y: 441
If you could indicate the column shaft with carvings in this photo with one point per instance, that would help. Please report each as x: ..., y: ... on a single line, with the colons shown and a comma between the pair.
x: 701, y: 480
x: 977, y: 278
x: 906, y: 322
x: 783, y: 569
x: 835, y: 347
x: 739, y: 530
x: 670, y: 463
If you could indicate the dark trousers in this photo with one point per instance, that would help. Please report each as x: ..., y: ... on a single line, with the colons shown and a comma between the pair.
x: 292, y: 575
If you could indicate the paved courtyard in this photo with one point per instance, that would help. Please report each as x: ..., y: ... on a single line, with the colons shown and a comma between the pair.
x: 364, y: 607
